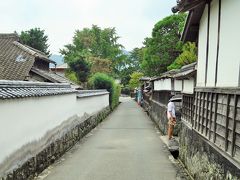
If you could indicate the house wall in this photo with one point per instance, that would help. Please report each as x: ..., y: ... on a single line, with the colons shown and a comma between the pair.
x: 229, y: 57
x: 213, y: 38
x: 163, y: 84
x: 202, y: 49
x: 178, y: 85
x: 31, y: 118
x: 218, y: 57
x: 188, y: 86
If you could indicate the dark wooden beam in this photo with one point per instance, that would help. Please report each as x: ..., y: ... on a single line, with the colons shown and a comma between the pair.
x: 234, y: 124
x: 227, y: 122
x: 210, y: 118
x: 218, y: 40
x: 207, y: 45
x: 215, y: 118
x: 203, y: 111
x: 206, y: 123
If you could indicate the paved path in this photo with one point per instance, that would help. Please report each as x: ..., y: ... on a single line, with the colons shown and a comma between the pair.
x: 126, y: 146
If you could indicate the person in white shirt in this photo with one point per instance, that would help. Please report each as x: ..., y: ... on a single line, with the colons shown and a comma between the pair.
x: 171, y: 118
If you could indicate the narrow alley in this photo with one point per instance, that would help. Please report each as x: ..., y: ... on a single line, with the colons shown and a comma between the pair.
x: 125, y: 146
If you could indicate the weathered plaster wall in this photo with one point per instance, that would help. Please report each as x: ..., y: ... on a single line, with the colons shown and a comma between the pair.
x: 201, y: 69
x: 188, y: 86
x: 51, y: 147
x: 163, y: 84
x: 202, y: 160
x: 228, y: 66
x: 178, y: 85
x: 229, y: 58
x: 31, y: 118
x: 213, y: 36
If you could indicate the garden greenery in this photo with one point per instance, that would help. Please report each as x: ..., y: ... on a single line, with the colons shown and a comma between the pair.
x: 103, y: 81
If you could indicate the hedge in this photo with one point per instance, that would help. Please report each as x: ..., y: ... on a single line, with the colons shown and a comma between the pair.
x: 103, y: 81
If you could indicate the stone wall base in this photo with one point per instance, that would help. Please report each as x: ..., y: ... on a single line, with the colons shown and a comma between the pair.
x: 56, y: 148
x: 202, y: 160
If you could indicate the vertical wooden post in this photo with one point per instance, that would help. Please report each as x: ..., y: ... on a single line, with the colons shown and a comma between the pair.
x: 196, y: 106
x: 203, y: 111
x: 227, y: 122
x: 215, y: 118
x: 234, y: 124
x: 191, y: 109
x: 206, y: 123
x: 210, y: 118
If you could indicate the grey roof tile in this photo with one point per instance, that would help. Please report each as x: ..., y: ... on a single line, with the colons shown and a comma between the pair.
x: 23, y: 89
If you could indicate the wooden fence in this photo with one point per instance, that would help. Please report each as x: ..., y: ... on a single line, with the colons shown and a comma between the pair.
x: 215, y: 114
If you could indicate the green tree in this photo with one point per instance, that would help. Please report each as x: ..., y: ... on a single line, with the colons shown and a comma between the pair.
x: 131, y: 64
x: 134, y: 81
x: 188, y: 56
x: 164, y: 46
x: 35, y: 38
x: 100, y: 65
x: 96, y: 42
x: 80, y: 67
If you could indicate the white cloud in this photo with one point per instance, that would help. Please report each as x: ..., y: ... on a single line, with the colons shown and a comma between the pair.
x: 133, y: 20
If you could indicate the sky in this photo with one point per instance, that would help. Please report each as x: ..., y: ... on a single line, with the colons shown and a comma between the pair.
x: 133, y: 19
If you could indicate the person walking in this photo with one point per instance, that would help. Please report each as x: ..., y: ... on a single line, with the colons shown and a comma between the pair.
x: 171, y: 114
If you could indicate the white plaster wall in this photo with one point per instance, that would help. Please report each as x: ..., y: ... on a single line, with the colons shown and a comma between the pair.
x: 213, y: 36
x: 26, y: 120
x: 158, y: 85
x: 167, y: 85
x: 163, y: 84
x: 188, y: 86
x: 202, y: 49
x: 229, y: 56
x: 178, y: 85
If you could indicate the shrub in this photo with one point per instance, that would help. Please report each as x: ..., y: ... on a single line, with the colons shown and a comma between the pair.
x: 103, y: 81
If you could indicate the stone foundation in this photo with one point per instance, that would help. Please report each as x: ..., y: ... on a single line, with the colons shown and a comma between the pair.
x: 56, y: 146
x: 203, y: 160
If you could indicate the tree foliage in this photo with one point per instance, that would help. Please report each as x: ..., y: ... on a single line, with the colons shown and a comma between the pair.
x: 35, y: 38
x: 134, y: 81
x: 131, y: 64
x: 188, y: 56
x: 80, y: 67
x: 164, y: 46
x: 100, y: 65
x: 103, y: 81
x: 95, y: 42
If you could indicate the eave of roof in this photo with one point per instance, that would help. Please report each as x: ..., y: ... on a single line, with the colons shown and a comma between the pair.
x: 23, y: 89
x: 33, y: 52
x: 44, y: 75
x: 187, y: 5
x: 184, y: 72
x: 195, y: 8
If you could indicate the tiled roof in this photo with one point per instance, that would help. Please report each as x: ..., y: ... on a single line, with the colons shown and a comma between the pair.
x: 87, y: 93
x: 23, y: 89
x: 187, y: 71
x: 184, y: 72
x: 16, y: 59
x: 34, y: 52
x: 55, y: 77
x: 144, y: 79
